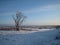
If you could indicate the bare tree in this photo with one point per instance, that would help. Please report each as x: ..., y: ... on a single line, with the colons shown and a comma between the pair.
x: 18, y: 20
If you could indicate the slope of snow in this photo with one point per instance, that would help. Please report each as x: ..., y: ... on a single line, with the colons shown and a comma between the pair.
x: 16, y: 32
x: 23, y: 32
x: 36, y: 38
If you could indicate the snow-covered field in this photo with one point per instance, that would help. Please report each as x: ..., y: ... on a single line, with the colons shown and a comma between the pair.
x: 40, y: 37
x: 23, y: 32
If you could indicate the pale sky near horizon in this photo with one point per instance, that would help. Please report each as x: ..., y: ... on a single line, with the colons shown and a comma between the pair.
x: 38, y: 12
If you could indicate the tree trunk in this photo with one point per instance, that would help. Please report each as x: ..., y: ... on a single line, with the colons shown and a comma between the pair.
x: 17, y: 27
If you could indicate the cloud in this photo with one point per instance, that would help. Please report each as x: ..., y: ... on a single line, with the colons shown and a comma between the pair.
x: 43, y: 23
x: 43, y: 8
x: 7, y: 14
x: 36, y: 9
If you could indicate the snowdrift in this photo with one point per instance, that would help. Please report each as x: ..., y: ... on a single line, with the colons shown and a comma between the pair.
x: 36, y: 38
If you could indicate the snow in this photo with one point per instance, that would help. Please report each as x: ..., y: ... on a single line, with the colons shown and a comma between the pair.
x: 16, y: 32
x: 24, y: 32
x: 46, y: 37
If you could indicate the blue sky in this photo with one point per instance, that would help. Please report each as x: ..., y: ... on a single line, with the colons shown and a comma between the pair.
x: 38, y: 12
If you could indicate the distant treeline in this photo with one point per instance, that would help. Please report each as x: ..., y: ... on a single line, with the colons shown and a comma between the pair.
x: 49, y: 27
x: 25, y: 27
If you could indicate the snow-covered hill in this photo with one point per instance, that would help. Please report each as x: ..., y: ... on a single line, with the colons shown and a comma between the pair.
x: 23, y: 32
x: 29, y: 37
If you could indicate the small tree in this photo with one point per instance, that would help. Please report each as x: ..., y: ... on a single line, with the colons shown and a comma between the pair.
x: 18, y: 20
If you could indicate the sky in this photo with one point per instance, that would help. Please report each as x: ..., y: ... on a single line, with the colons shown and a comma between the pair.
x: 38, y: 12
